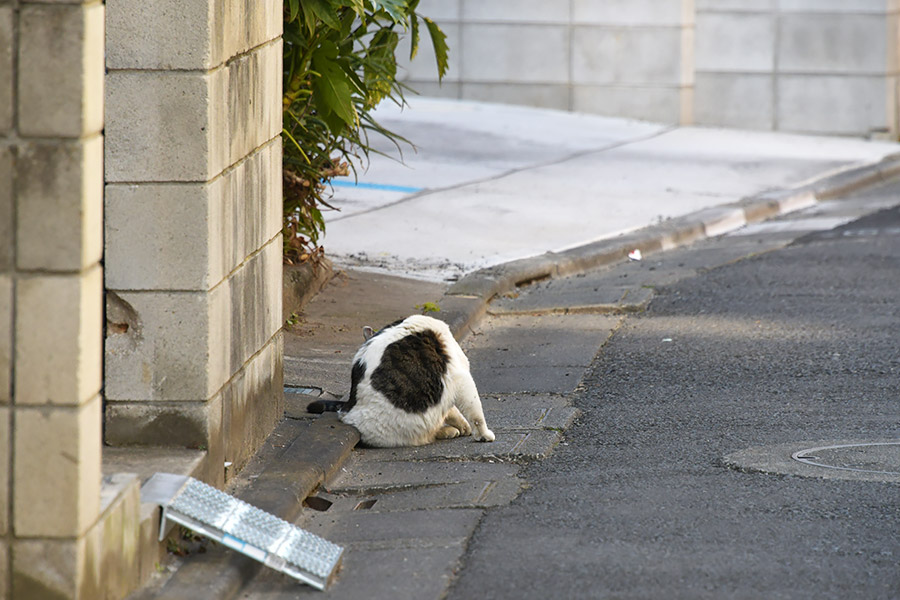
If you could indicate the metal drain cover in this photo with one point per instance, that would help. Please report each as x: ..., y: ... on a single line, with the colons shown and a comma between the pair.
x: 859, y: 460
x: 242, y: 527
x: 881, y: 458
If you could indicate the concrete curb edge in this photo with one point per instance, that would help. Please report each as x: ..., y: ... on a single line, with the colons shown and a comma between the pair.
x: 467, y: 299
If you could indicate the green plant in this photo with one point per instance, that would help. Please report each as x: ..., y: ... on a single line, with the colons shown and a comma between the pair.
x: 428, y: 307
x: 339, y: 63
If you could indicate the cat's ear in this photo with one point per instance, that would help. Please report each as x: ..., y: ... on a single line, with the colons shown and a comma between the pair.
x: 368, y: 333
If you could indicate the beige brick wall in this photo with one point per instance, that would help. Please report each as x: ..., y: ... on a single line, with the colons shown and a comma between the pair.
x: 193, y: 221
x: 191, y: 109
x: 51, y: 290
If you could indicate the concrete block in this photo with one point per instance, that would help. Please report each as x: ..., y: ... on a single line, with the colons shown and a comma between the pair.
x: 253, y: 403
x: 61, y: 69
x: 6, y: 328
x: 631, y: 13
x: 423, y: 67
x: 252, y: 109
x: 735, y: 5
x: 246, y: 24
x: 246, y: 312
x: 185, y: 424
x: 646, y: 56
x: 515, y: 11
x: 159, y: 126
x: 189, y: 236
x: 735, y: 42
x: 59, y: 218
x: 157, y: 346
x: 190, y: 126
x: 545, y: 96
x: 56, y: 470
x: 7, y: 81
x: 836, y: 104
x: 514, y: 54
x: 51, y: 569
x: 187, y: 345
x: 433, y: 89
x: 115, y: 540
x: 5, y: 459
x: 163, y: 35
x: 171, y: 35
x: 879, y: 7
x: 91, y: 567
x: 7, y: 224
x: 832, y: 43
x: 440, y: 11
x: 4, y: 568
x: 658, y: 104
x: 743, y: 101
x: 58, y: 325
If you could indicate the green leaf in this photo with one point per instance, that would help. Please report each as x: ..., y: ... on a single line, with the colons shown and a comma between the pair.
x: 413, y: 35
x: 332, y: 89
x: 439, y: 41
x: 321, y: 10
x: 294, y: 8
x: 396, y: 9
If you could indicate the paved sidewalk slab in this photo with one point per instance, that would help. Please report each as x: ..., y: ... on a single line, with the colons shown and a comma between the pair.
x: 492, y: 183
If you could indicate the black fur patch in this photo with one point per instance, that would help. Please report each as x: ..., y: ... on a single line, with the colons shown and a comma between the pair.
x: 411, y: 371
x: 356, y: 374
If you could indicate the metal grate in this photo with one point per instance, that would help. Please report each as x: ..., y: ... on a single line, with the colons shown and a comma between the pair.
x: 243, y: 527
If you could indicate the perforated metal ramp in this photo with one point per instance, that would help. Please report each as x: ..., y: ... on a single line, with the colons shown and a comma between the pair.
x: 243, y: 527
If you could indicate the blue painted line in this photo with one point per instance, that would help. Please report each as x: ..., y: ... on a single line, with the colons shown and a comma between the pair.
x: 384, y: 187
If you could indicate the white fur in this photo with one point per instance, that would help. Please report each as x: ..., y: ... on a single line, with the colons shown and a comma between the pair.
x: 382, y: 424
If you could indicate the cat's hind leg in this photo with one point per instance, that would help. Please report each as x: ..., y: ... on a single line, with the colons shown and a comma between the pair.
x: 455, y: 419
x: 446, y: 432
x: 455, y: 425
x: 469, y: 404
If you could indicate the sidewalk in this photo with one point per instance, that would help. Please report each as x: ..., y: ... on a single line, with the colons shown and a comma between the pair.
x: 491, y: 183
x: 497, y: 196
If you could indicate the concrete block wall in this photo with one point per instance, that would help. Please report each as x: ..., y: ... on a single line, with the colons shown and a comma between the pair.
x: 811, y: 66
x: 193, y: 226
x: 51, y: 298
x: 619, y: 57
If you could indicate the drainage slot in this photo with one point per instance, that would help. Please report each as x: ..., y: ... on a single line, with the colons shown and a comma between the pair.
x: 317, y: 503
x: 365, y: 504
x: 303, y: 389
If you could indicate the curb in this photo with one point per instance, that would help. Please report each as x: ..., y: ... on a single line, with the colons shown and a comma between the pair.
x: 466, y: 300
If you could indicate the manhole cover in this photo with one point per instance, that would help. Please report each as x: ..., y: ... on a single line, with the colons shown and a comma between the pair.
x: 859, y: 460
x: 874, y: 457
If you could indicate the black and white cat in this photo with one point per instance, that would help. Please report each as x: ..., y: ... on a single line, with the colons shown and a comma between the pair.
x: 410, y: 385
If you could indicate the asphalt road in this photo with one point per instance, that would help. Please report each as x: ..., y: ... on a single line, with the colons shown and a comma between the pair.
x: 779, y: 344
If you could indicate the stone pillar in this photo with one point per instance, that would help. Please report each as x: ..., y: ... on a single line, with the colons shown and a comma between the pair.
x: 51, y: 295
x: 193, y: 220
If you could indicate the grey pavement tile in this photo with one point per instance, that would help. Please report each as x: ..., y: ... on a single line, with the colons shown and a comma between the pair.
x: 397, y: 529
x: 383, y: 469
x: 547, y: 340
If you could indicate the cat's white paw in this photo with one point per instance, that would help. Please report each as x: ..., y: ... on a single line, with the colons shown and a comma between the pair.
x: 486, y: 436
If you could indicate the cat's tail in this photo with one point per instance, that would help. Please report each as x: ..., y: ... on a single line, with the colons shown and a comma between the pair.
x: 320, y: 406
